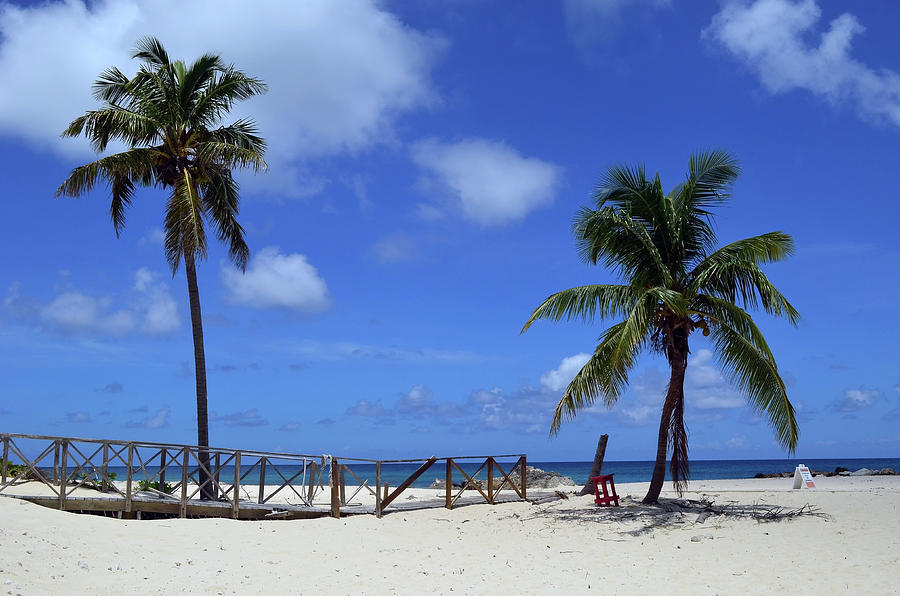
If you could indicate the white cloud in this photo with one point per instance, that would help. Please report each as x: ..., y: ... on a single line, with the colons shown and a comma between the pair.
x: 339, y: 73
x: 855, y: 400
x: 149, y: 309
x: 417, y: 402
x: 706, y: 388
x: 560, y: 377
x: 157, y: 308
x: 490, y: 182
x: 76, y: 312
x: 770, y: 37
x: 275, y: 280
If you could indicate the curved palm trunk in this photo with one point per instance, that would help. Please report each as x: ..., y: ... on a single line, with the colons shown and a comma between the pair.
x: 207, y: 491
x: 671, y: 424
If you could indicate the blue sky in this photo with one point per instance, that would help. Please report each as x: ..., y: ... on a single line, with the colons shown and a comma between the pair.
x: 426, y: 159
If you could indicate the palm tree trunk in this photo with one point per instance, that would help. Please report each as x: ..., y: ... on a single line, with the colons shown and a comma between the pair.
x: 673, y: 403
x: 205, y: 478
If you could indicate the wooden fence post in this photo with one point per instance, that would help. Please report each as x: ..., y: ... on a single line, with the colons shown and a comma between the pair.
x: 342, y: 483
x: 55, y: 462
x: 522, y: 478
x: 184, y: 481
x: 378, y: 489
x: 314, y: 469
x: 63, y: 475
x: 162, y: 469
x: 237, y: 484
x: 5, y: 461
x: 104, y: 469
x: 262, y: 479
x: 128, y: 481
x: 448, y: 496
x: 335, y: 497
x: 214, y: 489
x: 490, y: 482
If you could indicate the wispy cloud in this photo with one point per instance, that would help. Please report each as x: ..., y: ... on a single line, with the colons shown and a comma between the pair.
x: 592, y: 21
x: 147, y: 308
x: 855, y: 400
x: 245, y: 418
x: 771, y: 38
x: 352, y: 350
x: 78, y: 417
x: 114, y: 387
x: 158, y: 420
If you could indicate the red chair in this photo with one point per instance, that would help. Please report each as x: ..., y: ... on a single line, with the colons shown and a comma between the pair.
x: 609, y: 497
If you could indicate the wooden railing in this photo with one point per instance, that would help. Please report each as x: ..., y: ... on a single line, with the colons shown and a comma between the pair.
x: 187, y: 479
x: 489, y: 489
x: 196, y: 473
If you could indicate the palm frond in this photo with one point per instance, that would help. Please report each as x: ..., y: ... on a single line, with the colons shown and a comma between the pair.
x: 765, y: 248
x: 744, y: 281
x: 621, y: 243
x: 585, y: 303
x: 602, y: 376
x: 150, y: 50
x: 222, y: 91
x: 756, y: 375
x: 136, y: 164
x: 718, y: 311
x: 220, y: 196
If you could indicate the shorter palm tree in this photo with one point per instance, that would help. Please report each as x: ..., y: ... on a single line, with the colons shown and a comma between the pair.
x: 677, y: 282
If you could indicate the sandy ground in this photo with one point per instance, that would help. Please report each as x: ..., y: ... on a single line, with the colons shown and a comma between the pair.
x: 568, y: 546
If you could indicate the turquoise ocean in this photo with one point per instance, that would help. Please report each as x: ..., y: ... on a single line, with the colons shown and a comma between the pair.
x: 625, y: 471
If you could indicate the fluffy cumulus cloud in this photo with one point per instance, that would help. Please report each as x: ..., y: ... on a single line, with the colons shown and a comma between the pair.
x: 488, y: 182
x: 276, y: 280
x: 771, y: 38
x: 339, y: 73
x: 148, y: 307
x: 560, y: 377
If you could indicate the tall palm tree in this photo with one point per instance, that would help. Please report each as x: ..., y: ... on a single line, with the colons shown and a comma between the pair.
x: 168, y: 116
x: 676, y: 282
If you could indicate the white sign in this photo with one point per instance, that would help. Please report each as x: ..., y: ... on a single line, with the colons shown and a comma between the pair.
x: 802, y: 476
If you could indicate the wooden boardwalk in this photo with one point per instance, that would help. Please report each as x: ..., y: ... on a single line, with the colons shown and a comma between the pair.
x: 73, y: 474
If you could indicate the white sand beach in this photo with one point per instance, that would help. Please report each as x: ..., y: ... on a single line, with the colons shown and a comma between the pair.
x: 567, y: 546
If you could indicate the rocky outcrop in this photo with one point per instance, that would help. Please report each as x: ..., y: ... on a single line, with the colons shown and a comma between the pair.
x: 839, y: 471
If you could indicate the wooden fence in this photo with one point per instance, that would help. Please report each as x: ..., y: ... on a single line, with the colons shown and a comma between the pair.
x: 187, y: 480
